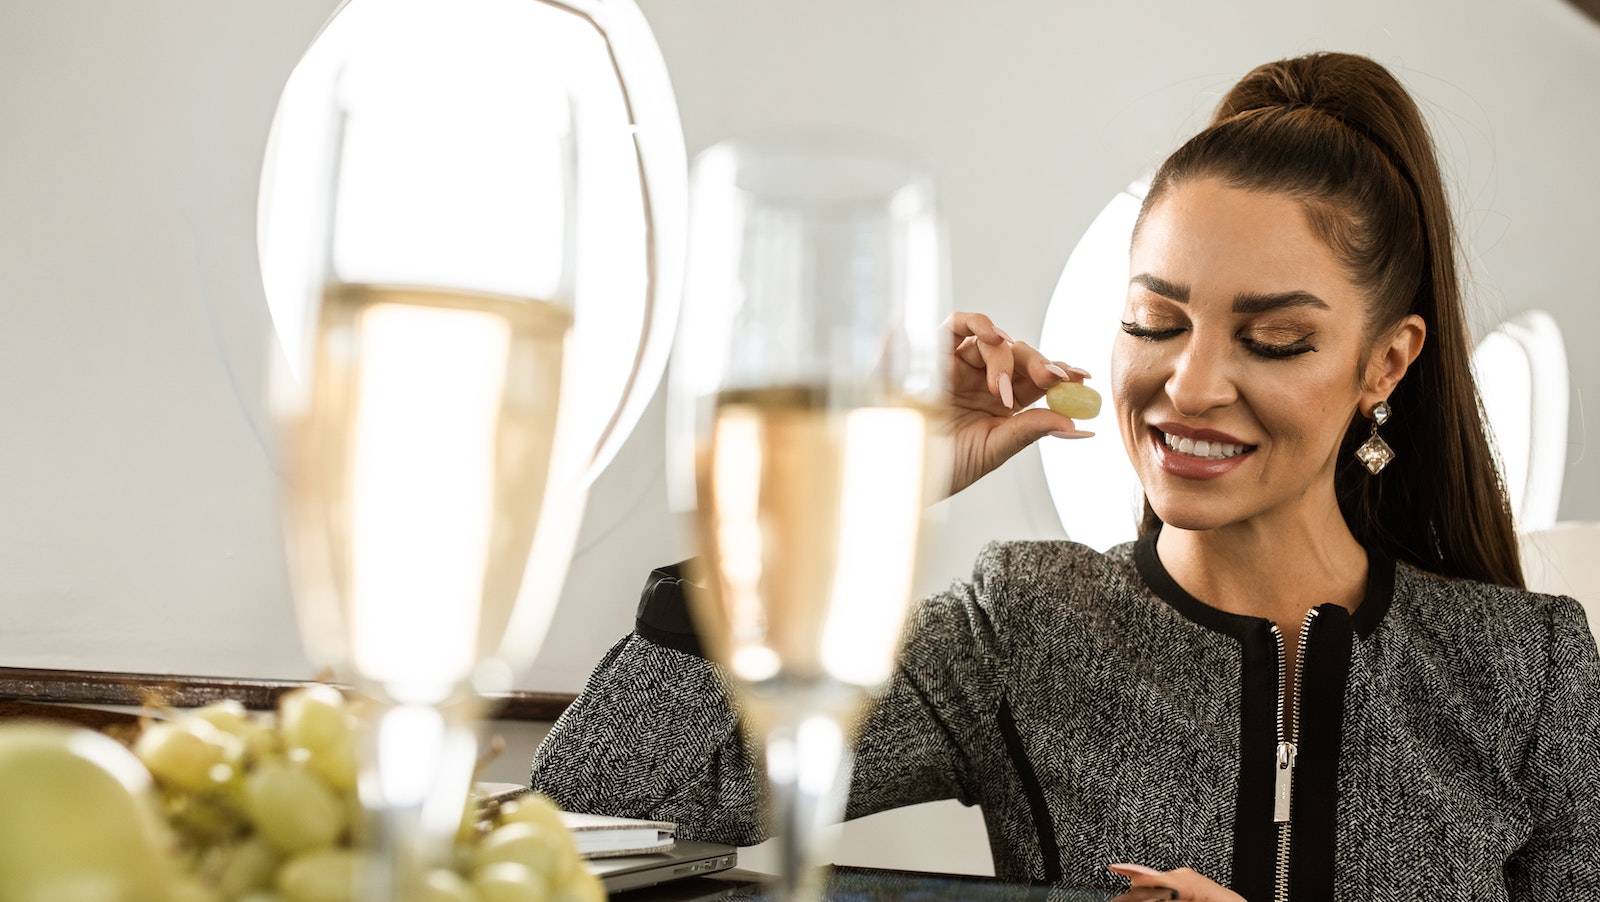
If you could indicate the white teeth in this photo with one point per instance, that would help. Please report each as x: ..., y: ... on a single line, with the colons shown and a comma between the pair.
x: 1203, y: 449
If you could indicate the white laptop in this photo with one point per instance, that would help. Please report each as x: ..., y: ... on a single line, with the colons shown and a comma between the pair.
x: 683, y: 858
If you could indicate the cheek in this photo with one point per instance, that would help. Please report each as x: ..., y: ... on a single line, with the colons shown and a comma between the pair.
x: 1132, y: 378
x: 1310, y: 409
x: 1136, y: 374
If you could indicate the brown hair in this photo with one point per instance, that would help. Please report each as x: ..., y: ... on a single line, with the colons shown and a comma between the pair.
x: 1338, y: 133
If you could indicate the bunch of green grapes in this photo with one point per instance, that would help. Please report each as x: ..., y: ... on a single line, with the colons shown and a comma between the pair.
x: 265, y: 809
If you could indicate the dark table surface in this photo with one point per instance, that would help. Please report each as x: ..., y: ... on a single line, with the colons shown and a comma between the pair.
x: 851, y: 884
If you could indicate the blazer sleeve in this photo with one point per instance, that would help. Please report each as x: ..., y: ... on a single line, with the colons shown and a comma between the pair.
x: 655, y: 731
x: 926, y: 735
x: 1561, y: 775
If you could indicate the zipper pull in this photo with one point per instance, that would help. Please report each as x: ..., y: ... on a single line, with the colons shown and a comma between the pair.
x: 1284, y: 783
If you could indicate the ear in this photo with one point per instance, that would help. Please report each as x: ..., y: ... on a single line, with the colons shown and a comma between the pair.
x: 1391, y: 356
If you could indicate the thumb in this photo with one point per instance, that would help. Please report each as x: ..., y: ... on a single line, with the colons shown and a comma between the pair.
x: 1029, y: 426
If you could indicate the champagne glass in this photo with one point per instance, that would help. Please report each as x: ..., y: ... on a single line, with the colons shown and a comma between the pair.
x: 808, y: 373
x: 479, y: 231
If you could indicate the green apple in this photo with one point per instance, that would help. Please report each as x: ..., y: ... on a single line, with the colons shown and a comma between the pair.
x: 78, y: 819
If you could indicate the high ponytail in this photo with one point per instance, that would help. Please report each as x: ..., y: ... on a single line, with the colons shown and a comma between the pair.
x: 1338, y: 133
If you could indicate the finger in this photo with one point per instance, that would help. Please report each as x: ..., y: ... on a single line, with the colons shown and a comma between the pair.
x: 998, y: 364
x: 1137, y: 874
x: 967, y: 352
x: 978, y: 342
x: 1067, y: 371
x: 982, y: 370
x: 1039, y: 372
x: 975, y: 325
x: 1189, y: 883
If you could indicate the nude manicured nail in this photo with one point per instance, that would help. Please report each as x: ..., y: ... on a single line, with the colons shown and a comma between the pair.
x: 1006, y: 397
x: 1079, y: 371
x: 1056, y: 371
x: 1141, y: 870
x: 1071, y: 433
x: 1002, y: 333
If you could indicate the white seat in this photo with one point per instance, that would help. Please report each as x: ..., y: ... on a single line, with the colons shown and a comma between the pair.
x: 1094, y: 488
x: 1521, y: 372
x: 1565, y: 560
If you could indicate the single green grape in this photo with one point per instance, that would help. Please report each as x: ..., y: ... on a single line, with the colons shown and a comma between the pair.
x: 335, y: 763
x: 533, y: 845
x: 320, y: 875
x: 508, y: 881
x: 444, y: 885
x: 292, y: 808
x: 227, y: 715
x: 314, y: 717
x: 1073, y: 399
x: 78, y: 819
x: 532, y: 808
x: 189, y: 754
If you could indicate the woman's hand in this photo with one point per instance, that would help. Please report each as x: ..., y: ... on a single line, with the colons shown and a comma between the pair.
x: 991, y: 378
x: 1182, y: 883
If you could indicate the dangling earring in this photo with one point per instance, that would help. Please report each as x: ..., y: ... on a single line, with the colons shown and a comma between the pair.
x: 1375, y: 453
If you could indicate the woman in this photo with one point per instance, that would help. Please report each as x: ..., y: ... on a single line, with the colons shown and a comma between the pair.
x: 1309, y: 678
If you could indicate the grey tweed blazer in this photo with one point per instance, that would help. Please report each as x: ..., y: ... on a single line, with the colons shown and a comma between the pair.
x: 1449, y: 744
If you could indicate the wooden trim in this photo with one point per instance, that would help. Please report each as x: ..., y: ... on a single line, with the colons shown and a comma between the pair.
x: 93, y: 718
x: 1590, y: 8
x: 531, y: 705
x: 90, y: 687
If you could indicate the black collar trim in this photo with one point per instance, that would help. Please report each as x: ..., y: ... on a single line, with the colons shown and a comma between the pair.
x: 1374, y: 605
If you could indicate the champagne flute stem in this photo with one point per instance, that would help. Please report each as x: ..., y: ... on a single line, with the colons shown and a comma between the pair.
x: 808, y: 767
x: 414, y: 785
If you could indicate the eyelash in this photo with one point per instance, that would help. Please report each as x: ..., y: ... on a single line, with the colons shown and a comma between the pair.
x: 1138, y: 331
x: 1261, y: 349
x: 1279, y: 352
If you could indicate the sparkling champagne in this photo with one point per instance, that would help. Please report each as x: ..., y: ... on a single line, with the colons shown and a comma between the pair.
x: 420, y: 478
x: 809, y: 516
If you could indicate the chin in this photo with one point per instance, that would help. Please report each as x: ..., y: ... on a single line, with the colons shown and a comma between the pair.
x: 1193, y: 517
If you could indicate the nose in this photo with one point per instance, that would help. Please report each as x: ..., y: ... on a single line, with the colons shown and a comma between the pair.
x: 1200, y: 380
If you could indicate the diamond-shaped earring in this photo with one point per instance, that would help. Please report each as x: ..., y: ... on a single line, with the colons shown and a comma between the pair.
x: 1375, y: 453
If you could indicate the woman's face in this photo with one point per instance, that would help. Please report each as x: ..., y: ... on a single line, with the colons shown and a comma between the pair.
x: 1239, y: 364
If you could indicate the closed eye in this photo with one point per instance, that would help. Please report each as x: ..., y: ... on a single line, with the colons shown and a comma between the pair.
x: 1145, y: 332
x: 1278, y: 351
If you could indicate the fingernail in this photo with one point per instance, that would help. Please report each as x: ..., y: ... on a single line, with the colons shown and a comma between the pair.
x: 1006, y: 397
x: 1130, y: 869
x: 1071, y: 433
x: 1056, y: 371
x: 1002, y: 333
x: 1080, y: 371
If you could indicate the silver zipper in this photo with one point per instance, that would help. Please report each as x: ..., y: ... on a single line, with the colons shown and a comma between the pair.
x: 1288, y: 749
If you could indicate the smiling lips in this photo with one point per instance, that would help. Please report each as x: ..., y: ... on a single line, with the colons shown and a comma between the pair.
x: 1202, y: 448
x: 1200, y: 455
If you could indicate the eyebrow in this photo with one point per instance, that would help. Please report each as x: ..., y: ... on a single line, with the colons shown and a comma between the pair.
x: 1246, y: 302
x: 1249, y: 302
x: 1162, y: 287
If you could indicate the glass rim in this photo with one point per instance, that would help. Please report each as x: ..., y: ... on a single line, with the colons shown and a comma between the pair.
x: 818, y: 168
